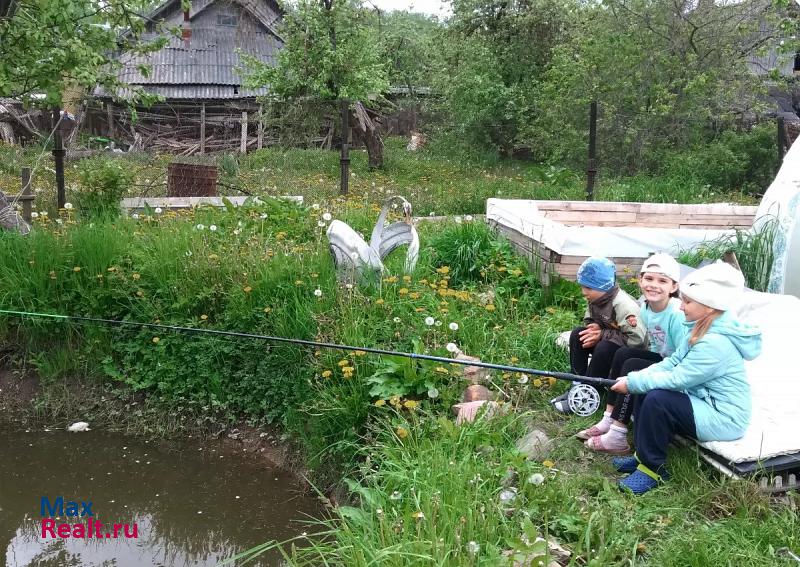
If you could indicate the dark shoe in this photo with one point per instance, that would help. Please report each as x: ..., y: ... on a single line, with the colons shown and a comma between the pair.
x: 625, y: 464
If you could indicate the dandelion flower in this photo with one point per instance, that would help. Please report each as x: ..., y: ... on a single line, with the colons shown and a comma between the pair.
x: 247, y: 289
x: 508, y: 496
x: 213, y: 228
x: 536, y: 478
x: 380, y: 403
x: 320, y: 224
x: 200, y: 226
x: 411, y: 404
x: 403, y: 291
x: 327, y: 373
x: 158, y: 210
x: 379, y: 301
x: 263, y: 216
x: 343, y: 363
x: 468, y: 218
x: 68, y: 206
x: 396, y: 496
x: 396, y: 319
x: 430, y: 321
x: 523, y: 379
x: 419, y: 516
x: 326, y: 217
x: 402, y: 432
x: 457, y: 219
x: 318, y: 292
x: 34, y: 215
x: 452, y: 347
x: 315, y: 206
x: 453, y: 326
x: 438, y: 323
x: 473, y: 548
x: 537, y: 382
x: 156, y: 340
x: 548, y: 463
x: 433, y: 393
x: 204, y: 317
x: 490, y: 307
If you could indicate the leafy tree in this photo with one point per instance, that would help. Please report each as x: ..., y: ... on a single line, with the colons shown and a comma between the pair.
x: 408, y: 41
x: 47, y: 46
x: 330, y: 52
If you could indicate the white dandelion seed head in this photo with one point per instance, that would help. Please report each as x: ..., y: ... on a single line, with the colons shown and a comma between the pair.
x: 318, y: 292
x: 237, y: 231
x: 523, y: 379
x: 43, y: 213
x: 213, y: 228
x: 508, y: 496
x: 320, y: 224
x: 59, y: 221
x: 468, y: 218
x: 396, y: 319
x: 453, y: 326
x: 430, y: 214
x: 433, y: 393
x: 395, y: 496
x: 473, y: 547
x: 188, y: 253
x: 68, y: 206
x: 264, y: 216
x: 34, y: 215
x: 457, y: 219
x: 438, y: 323
x: 452, y: 347
x: 200, y: 227
x: 158, y: 210
x: 348, y: 285
x: 430, y: 321
x: 326, y: 217
x: 315, y: 206
x: 536, y: 478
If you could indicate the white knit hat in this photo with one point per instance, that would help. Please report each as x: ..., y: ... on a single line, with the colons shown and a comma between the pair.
x: 717, y: 285
x: 662, y: 264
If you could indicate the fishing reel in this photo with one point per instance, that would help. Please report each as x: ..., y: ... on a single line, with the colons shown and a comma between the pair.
x: 583, y: 399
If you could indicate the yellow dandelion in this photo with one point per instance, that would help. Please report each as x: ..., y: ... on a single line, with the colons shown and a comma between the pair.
x: 424, y: 282
x: 156, y: 340
x: 514, y: 359
x: 443, y: 270
x: 406, y: 278
x: 395, y: 401
x: 298, y: 282
x: 419, y: 309
x: 548, y: 463
x: 136, y: 276
x: 402, y: 291
x: 247, y: 289
x: 76, y: 269
x: 315, y: 276
x: 442, y: 370
x: 413, y: 295
x: 112, y: 269
x: 379, y: 302
x: 52, y: 275
x: 140, y: 293
x: 411, y: 404
x: 267, y: 309
x: 360, y: 353
x: 342, y: 363
x: 551, y: 310
x: 327, y: 373
x: 402, y: 432
x: 551, y: 381
x: 348, y: 369
x: 537, y: 382
x: 516, y: 272
x: 380, y: 403
x: 490, y: 307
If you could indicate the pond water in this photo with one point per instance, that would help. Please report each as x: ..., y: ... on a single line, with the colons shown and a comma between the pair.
x: 187, y: 504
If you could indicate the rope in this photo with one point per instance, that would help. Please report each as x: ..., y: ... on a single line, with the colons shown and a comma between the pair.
x: 599, y: 382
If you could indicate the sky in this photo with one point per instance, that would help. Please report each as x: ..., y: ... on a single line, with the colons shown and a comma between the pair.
x: 432, y: 7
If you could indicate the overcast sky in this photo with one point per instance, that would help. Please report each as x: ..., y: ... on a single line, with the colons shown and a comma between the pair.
x: 432, y: 7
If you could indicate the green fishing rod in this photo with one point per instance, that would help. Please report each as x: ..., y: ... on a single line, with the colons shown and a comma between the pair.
x: 597, y: 382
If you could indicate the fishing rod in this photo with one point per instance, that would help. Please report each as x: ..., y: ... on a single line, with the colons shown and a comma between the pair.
x: 581, y: 395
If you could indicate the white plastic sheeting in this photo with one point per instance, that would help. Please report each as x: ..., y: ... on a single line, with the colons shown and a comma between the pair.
x: 774, y: 380
x: 627, y: 241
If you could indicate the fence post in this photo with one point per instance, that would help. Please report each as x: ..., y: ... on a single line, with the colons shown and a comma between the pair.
x: 345, y: 159
x: 260, y: 143
x: 58, y: 157
x: 27, y: 190
x: 203, y: 129
x: 591, y: 170
x: 781, y: 140
x: 243, y: 147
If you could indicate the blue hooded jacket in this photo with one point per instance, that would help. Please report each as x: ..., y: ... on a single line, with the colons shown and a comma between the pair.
x: 712, y: 374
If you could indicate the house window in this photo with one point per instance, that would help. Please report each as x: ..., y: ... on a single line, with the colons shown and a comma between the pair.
x: 227, y: 20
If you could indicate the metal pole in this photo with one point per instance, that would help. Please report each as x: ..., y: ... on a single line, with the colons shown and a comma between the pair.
x: 345, y: 159
x: 781, y: 139
x: 58, y: 157
x: 591, y: 170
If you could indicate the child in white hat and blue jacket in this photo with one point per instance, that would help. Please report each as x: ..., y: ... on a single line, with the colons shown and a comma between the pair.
x: 701, y: 391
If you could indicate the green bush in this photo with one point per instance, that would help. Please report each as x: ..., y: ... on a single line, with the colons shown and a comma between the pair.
x: 103, y: 183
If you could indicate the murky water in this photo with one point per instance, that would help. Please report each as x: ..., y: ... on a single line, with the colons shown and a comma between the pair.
x: 191, y: 505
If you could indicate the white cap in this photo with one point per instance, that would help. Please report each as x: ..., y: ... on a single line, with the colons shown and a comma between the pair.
x: 717, y: 285
x: 662, y: 264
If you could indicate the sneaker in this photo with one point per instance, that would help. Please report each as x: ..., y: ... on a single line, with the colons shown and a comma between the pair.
x: 625, y: 464
x: 561, y: 403
x: 638, y: 482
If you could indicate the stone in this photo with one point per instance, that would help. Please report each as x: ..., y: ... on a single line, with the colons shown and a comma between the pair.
x: 535, y: 445
x: 475, y: 374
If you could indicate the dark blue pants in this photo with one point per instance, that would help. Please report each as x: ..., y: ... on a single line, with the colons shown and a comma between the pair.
x: 660, y: 414
x: 626, y: 360
x: 602, y: 356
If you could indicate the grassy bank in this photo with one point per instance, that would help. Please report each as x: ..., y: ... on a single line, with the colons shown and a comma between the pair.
x: 423, y: 491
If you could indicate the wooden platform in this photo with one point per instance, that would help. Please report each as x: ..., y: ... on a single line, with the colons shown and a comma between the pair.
x: 619, y: 215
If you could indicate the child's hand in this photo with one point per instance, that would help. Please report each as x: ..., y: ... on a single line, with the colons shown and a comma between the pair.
x: 590, y: 336
x: 621, y: 386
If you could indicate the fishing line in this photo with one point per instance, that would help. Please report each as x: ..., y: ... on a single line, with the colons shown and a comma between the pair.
x: 598, y: 382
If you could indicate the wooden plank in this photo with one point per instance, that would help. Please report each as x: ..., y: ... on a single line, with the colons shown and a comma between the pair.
x: 582, y: 217
x: 243, y: 145
x: 260, y: 128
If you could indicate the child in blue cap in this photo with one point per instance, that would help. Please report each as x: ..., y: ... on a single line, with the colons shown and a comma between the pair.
x: 611, y: 321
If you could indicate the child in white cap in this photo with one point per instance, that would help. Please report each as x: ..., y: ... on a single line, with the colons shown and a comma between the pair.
x: 610, y: 322
x: 701, y: 391
x: 663, y: 320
